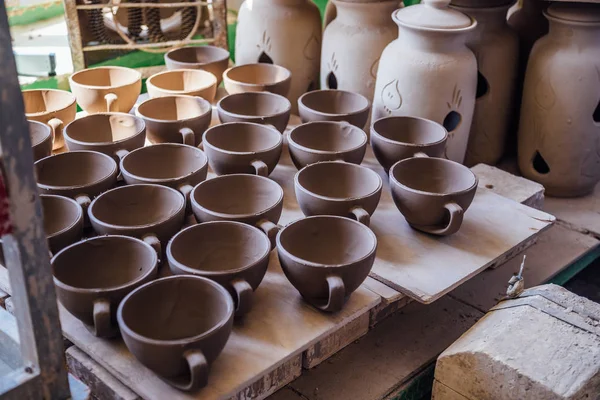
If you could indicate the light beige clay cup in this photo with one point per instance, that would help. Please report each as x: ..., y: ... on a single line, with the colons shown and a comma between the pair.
x: 258, y: 78
x: 191, y: 82
x: 41, y: 139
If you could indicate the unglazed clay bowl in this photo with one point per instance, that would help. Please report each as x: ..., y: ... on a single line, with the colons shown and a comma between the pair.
x: 317, y: 141
x: 233, y: 254
x: 334, y: 105
x: 53, y: 107
x: 93, y: 276
x: 191, y: 82
x: 259, y: 107
x: 106, y: 89
x: 63, y: 221
x: 338, y: 188
x: 175, y: 119
x: 326, y: 258
x: 432, y: 193
x: 41, y: 139
x: 208, y: 58
x: 174, y: 165
x: 258, y: 77
x: 177, y: 327
x: 251, y: 199
x: 242, y: 148
x: 399, y: 137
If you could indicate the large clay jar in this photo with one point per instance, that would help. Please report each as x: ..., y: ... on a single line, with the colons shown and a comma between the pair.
x: 559, y: 130
x: 429, y: 72
x: 282, y: 32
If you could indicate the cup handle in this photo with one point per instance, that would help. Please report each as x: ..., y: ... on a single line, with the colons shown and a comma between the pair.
x: 456, y: 219
x: 198, y: 372
x: 337, y: 294
x: 260, y: 168
x: 420, y: 154
x: 112, y: 102
x: 84, y: 201
x: 270, y: 229
x: 56, y: 125
x: 244, y: 293
x: 121, y: 153
x: 153, y: 241
x: 185, y: 190
x: 102, y: 323
x: 361, y: 215
x: 188, y: 136
x: 201, y: 146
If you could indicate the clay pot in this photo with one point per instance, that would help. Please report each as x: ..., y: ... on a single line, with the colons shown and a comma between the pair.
x: 177, y: 327
x: 257, y: 78
x: 63, y: 221
x: 174, y: 165
x: 208, y: 58
x: 191, y: 82
x: 94, y: 275
x: 175, y: 119
x: 326, y: 258
x: 338, y: 188
x: 334, y: 105
x: 41, y: 139
x: 242, y: 148
x: 106, y: 89
x: 259, y: 107
x: 232, y: 254
x: 397, y: 138
x: 251, y: 199
x: 432, y: 193
x: 53, y: 107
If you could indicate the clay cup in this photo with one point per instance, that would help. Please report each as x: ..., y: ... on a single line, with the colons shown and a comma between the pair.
x: 190, y: 82
x: 63, y: 221
x: 208, y: 58
x: 258, y: 78
x: 334, y: 105
x: 259, y: 107
x: 41, y: 139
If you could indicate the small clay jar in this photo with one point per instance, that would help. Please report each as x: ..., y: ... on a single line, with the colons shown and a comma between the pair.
x: 63, y: 221
x: 41, y: 139
x: 258, y: 107
x: 208, y: 58
x: 257, y: 78
x: 190, y: 82
x: 53, y: 107
x: 233, y: 254
x: 397, y: 138
x: 242, y: 148
x: 432, y: 193
x: 175, y: 119
x: 106, y: 89
x: 94, y: 275
x: 177, y: 327
x: 334, y: 105
x: 338, y: 188
x: 326, y: 258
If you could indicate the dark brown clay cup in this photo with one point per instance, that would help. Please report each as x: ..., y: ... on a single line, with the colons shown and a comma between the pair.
x: 397, y: 138
x: 251, y: 199
x: 177, y: 327
x: 259, y: 107
x: 63, y: 221
x: 208, y: 58
x: 326, y: 258
x: 233, y: 254
x: 94, y: 275
x: 175, y: 119
x: 242, y: 148
x: 338, y: 188
x: 334, y: 105
x: 41, y: 139
x: 258, y: 77
x: 190, y: 82
x: 318, y: 141
x: 432, y: 193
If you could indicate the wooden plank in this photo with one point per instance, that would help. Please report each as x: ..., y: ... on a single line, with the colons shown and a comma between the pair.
x: 580, y: 213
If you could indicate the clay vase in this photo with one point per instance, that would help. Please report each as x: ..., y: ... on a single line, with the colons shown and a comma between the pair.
x: 208, y: 58
x: 258, y: 107
x: 106, y: 89
x: 94, y: 275
x: 338, y: 188
x: 429, y: 72
x: 242, y: 148
x: 559, y: 132
x: 282, y: 32
x: 318, y: 141
x: 175, y: 119
x: 41, y: 139
x: 53, y: 107
x: 63, y: 221
x: 177, y: 166
x: 334, y: 105
x: 251, y: 199
x: 177, y: 327
x: 432, y: 193
x: 233, y: 254
x: 326, y: 258
x: 190, y: 82
x: 397, y: 138
x: 257, y: 78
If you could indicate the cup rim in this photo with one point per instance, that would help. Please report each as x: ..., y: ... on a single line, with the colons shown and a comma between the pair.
x: 207, y: 143
x: 224, y: 55
x: 41, y: 113
x: 226, y: 76
x: 297, y: 145
x: 77, y: 220
x: 68, y: 137
x: 302, y: 98
x: 220, y: 107
x: 108, y: 67
x: 47, y: 129
x: 381, y: 137
x: 199, y: 99
x: 209, y: 75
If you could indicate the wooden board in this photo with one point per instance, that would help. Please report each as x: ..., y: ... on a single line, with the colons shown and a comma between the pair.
x: 581, y: 213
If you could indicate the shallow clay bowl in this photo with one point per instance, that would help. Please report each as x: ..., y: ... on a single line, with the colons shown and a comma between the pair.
x: 400, y: 137
x: 175, y: 119
x: 177, y: 327
x: 233, y: 254
x: 334, y: 105
x: 93, y: 276
x: 258, y: 78
x: 259, y: 107
x: 63, y: 221
x: 41, y: 139
x: 432, y: 193
x: 191, y: 82
x: 208, y: 58
x: 326, y: 141
x: 326, y: 258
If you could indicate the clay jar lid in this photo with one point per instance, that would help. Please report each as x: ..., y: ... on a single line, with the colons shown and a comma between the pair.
x: 579, y: 13
x: 433, y: 15
x: 481, y: 3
